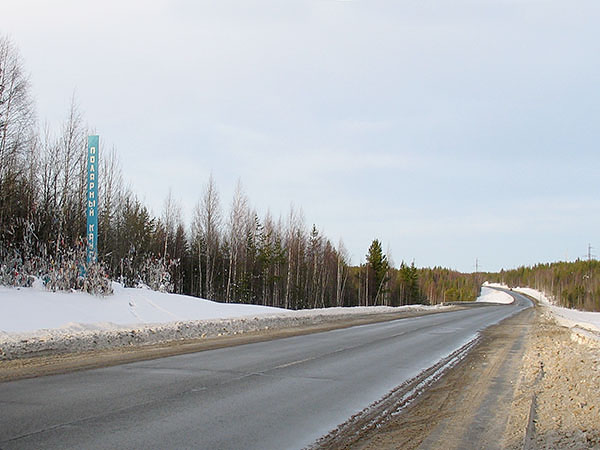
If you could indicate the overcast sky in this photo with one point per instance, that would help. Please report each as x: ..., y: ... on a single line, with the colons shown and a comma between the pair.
x: 452, y: 131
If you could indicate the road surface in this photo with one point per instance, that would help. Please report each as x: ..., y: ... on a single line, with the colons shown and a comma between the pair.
x: 484, y: 402
x: 279, y: 394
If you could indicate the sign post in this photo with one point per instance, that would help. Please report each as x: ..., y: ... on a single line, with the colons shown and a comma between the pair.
x: 92, y: 199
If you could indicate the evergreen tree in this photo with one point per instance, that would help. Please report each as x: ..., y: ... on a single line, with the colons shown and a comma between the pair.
x: 408, y: 283
x: 377, y: 267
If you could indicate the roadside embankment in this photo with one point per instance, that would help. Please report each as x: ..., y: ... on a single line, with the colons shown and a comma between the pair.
x: 561, y: 374
x: 59, y: 352
x: 59, y: 341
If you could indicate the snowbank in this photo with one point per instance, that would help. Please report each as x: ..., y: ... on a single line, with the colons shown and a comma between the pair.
x: 30, y: 309
x: 489, y: 295
x: 565, y: 316
x: 35, y: 321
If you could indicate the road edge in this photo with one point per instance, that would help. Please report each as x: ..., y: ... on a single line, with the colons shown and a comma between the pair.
x: 60, y: 363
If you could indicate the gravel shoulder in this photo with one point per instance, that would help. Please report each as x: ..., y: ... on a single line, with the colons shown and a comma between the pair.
x: 39, y: 357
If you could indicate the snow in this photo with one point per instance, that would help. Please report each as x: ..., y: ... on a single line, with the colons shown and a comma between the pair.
x: 36, y: 321
x: 29, y: 309
x: 565, y: 316
x: 489, y: 295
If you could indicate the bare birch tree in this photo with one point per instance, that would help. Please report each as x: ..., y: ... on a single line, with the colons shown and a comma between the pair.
x: 207, y: 217
x: 342, y: 273
x: 17, y: 120
x: 111, y: 196
x: 237, y: 218
x: 17, y: 116
x: 170, y: 219
x: 71, y: 155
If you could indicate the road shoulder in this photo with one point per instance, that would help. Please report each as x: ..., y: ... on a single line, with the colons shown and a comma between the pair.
x: 470, y: 406
x: 561, y: 373
x: 530, y: 383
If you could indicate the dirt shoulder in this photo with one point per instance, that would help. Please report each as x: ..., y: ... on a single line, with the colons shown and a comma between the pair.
x: 561, y: 372
x: 53, y: 364
x: 457, y: 410
x: 529, y: 383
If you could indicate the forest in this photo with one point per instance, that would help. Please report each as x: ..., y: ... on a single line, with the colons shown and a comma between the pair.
x: 228, y: 252
x: 570, y: 284
x: 231, y: 255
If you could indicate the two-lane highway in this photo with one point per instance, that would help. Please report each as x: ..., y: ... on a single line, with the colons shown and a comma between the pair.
x: 284, y: 393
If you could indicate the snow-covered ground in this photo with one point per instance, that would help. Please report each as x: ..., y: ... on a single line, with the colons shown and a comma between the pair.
x: 31, y: 309
x: 489, y: 295
x: 34, y: 320
x: 565, y: 316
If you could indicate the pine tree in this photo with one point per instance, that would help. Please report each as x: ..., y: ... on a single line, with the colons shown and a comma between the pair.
x: 408, y: 283
x: 377, y: 266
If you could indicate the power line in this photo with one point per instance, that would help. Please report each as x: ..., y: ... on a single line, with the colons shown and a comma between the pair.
x: 590, y: 256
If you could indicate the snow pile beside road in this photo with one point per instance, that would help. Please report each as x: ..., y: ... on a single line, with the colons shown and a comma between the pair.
x: 29, y: 309
x: 38, y: 322
x: 489, y: 295
x: 538, y: 295
x: 570, y: 318
x: 566, y: 316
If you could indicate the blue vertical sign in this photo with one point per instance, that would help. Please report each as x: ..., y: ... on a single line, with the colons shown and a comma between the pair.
x: 92, y: 199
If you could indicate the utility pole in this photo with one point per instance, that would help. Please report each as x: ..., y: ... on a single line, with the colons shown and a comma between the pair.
x: 476, y: 265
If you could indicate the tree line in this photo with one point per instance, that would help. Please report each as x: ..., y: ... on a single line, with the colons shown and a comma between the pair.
x: 570, y: 284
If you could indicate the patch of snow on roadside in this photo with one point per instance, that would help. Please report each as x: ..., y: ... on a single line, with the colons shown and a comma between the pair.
x: 565, y: 316
x: 489, y: 295
x: 572, y: 317
x: 539, y: 296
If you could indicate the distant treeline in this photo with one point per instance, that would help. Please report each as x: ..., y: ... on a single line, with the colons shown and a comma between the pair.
x: 571, y: 284
x: 445, y: 285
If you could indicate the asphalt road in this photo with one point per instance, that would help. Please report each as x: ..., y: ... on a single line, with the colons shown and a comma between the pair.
x: 280, y: 394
